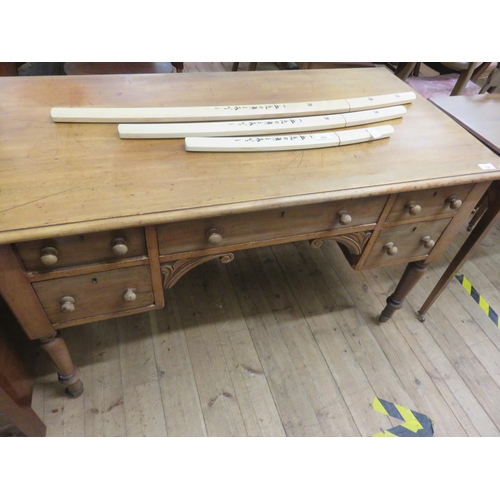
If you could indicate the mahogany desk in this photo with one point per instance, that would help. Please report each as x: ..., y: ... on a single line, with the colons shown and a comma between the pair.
x: 480, y: 115
x: 93, y: 227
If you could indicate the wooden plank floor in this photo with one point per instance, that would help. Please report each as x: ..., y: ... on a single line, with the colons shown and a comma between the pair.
x: 284, y: 341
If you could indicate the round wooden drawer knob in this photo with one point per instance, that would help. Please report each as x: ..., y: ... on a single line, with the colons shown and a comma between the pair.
x: 48, y: 256
x: 214, y: 236
x: 454, y: 202
x: 129, y: 295
x: 413, y: 208
x: 67, y: 304
x: 119, y: 247
x: 391, y: 249
x: 428, y: 242
x: 344, y: 218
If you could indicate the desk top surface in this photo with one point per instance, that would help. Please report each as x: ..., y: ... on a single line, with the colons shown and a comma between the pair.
x: 479, y: 114
x: 59, y: 178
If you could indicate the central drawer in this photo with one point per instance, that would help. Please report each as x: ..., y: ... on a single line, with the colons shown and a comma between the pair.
x: 95, y: 294
x: 265, y: 225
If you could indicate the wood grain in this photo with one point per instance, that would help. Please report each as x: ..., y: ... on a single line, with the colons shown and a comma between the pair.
x: 432, y: 202
x: 95, y: 294
x: 408, y: 240
x: 129, y: 183
x: 268, y: 225
x: 83, y: 249
x: 21, y: 298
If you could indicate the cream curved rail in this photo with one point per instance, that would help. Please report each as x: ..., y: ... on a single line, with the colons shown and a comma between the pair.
x: 287, y: 142
x: 257, y: 127
x: 227, y: 112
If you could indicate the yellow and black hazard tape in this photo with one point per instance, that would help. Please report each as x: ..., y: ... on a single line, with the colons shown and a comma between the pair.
x: 415, y: 424
x: 483, y: 304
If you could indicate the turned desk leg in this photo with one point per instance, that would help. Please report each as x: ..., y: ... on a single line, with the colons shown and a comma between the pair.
x: 23, y: 302
x: 413, y: 273
x: 68, y: 374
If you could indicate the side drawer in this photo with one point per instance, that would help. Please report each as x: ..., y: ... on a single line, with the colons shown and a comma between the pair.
x: 236, y: 229
x: 88, y: 295
x: 429, y: 202
x: 92, y: 248
x: 405, y: 242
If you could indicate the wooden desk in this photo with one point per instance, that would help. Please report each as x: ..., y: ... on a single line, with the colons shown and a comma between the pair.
x: 480, y: 115
x: 78, y: 196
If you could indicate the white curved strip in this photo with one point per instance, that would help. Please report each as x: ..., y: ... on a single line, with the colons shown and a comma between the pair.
x: 257, y: 127
x: 287, y: 142
x: 233, y: 112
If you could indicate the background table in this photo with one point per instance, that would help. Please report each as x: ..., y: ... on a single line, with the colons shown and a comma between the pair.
x: 480, y: 115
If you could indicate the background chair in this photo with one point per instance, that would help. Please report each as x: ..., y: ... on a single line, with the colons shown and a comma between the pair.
x: 493, y: 81
x: 309, y: 65
x: 9, y: 68
x: 452, y: 79
x: 253, y: 66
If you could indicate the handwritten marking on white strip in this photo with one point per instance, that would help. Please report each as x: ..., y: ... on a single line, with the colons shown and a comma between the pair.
x: 287, y: 142
x: 257, y: 127
x: 219, y: 113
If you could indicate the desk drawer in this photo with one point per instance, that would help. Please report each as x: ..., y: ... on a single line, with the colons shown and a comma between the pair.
x: 405, y: 242
x: 266, y: 225
x: 93, y: 248
x: 88, y: 295
x: 430, y: 202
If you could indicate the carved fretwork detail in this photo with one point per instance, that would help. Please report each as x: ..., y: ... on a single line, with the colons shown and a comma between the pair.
x: 173, y: 271
x: 317, y: 243
x: 354, y: 242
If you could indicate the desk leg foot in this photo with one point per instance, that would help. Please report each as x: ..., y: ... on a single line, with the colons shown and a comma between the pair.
x: 413, y: 273
x: 68, y: 373
x: 421, y: 317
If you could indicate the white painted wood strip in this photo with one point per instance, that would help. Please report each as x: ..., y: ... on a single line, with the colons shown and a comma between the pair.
x: 257, y: 127
x: 230, y: 129
x: 218, y: 113
x: 380, y: 101
x: 373, y: 116
x: 287, y: 142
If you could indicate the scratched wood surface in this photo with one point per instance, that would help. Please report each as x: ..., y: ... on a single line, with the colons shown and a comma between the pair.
x: 285, y: 342
x: 74, y: 178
